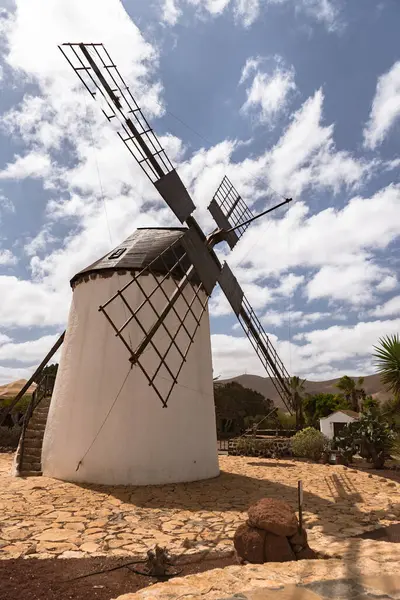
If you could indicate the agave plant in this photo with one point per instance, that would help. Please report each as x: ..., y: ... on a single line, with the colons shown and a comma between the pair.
x: 387, y: 361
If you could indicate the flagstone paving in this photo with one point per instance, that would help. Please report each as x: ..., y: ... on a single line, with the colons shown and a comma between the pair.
x: 42, y: 517
x: 303, y: 580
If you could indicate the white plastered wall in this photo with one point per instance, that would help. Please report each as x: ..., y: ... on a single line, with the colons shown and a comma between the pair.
x: 326, y: 424
x: 136, y: 441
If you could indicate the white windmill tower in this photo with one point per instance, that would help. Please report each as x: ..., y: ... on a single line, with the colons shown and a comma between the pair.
x: 133, y: 399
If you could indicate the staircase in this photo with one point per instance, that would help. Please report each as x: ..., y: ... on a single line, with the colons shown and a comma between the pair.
x: 28, y: 457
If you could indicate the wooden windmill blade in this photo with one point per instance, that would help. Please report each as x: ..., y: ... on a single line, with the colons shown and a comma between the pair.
x: 102, y: 79
x: 229, y: 210
x: 254, y: 330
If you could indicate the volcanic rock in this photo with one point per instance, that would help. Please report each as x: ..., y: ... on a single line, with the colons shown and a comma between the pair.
x: 275, y: 516
x: 299, y: 539
x: 277, y: 548
x: 249, y: 543
x: 306, y: 554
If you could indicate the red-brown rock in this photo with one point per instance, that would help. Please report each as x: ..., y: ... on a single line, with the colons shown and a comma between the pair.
x: 306, y: 554
x: 277, y: 548
x: 249, y: 543
x: 298, y: 540
x: 275, y: 516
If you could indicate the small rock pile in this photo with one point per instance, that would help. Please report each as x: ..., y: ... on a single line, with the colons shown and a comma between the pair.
x: 271, y: 534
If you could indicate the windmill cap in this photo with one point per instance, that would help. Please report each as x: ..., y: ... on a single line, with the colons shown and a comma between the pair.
x: 134, y: 253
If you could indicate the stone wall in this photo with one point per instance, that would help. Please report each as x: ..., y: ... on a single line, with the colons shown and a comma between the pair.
x: 267, y: 447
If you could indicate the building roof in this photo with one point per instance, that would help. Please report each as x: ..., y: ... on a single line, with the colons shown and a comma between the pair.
x: 135, y: 253
x: 349, y: 413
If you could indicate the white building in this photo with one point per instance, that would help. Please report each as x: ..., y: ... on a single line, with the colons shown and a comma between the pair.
x: 106, y: 424
x: 334, y: 423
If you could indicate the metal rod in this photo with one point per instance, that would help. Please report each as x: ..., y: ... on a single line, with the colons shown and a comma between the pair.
x: 33, y: 377
x: 300, y: 500
x: 265, y: 212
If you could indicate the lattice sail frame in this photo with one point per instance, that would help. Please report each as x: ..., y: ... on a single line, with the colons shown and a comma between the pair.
x: 179, y: 334
x: 229, y: 210
x: 254, y: 330
x: 102, y: 79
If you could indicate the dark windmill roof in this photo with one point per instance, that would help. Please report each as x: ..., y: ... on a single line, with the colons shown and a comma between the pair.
x: 136, y: 252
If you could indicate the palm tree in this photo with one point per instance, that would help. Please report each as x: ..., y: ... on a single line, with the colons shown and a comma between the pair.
x: 387, y: 360
x: 352, y: 390
x: 297, y: 388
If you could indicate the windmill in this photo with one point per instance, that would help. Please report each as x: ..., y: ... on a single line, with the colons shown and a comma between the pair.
x: 138, y: 335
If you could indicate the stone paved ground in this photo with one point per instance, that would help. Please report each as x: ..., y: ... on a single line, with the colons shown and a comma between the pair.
x: 303, y: 580
x: 43, y: 517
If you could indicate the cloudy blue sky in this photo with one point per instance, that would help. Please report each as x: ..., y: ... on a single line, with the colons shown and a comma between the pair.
x: 299, y: 98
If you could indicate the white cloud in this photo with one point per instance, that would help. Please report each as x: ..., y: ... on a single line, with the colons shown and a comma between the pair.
x: 306, y: 154
x: 9, y: 374
x: 288, y: 284
x: 337, y: 244
x: 268, y: 94
x: 246, y: 12
x: 4, y: 338
x: 296, y: 318
x: 6, y: 204
x: 7, y: 257
x: 390, y: 308
x: 39, y: 242
x: 385, y: 111
x: 387, y: 284
x: 325, y: 11
x: 30, y: 352
x: 34, y: 164
x: 171, y: 12
x: 353, y: 283
x: 251, y: 65
x: 319, y: 354
x: 391, y: 164
x: 26, y: 303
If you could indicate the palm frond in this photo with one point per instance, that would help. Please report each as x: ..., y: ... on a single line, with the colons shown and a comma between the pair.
x: 387, y: 362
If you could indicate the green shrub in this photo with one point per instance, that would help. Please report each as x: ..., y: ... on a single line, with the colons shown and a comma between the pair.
x: 309, y: 443
x: 395, y: 448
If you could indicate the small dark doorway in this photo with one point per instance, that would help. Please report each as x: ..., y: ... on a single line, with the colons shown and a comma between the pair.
x: 337, y: 428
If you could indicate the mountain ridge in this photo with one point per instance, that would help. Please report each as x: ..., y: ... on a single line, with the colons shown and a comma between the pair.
x: 264, y: 385
x: 9, y: 390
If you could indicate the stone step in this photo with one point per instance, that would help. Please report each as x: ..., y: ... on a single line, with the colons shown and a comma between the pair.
x: 38, y: 420
x: 26, y: 473
x: 32, y: 457
x: 34, y: 434
x: 31, y: 466
x: 41, y: 412
x: 32, y: 443
x: 36, y: 427
x: 32, y: 450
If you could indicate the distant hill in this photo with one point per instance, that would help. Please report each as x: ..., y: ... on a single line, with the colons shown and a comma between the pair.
x: 264, y: 385
x: 9, y: 390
